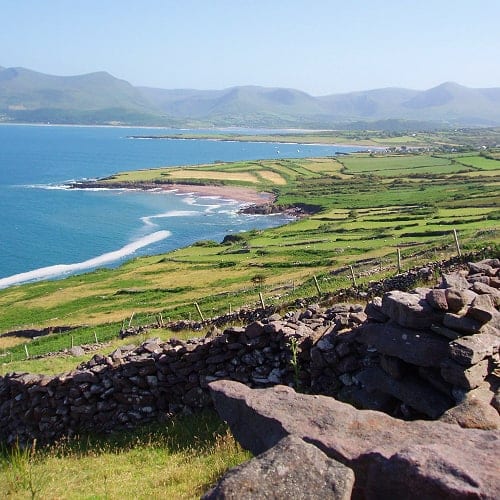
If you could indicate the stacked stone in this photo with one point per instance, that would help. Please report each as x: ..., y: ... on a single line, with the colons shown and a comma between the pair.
x: 336, y: 355
x: 133, y: 385
x: 436, y: 349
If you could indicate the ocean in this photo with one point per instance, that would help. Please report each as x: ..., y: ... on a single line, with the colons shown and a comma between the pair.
x: 48, y: 231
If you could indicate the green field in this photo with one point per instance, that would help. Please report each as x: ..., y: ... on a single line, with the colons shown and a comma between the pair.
x: 463, y: 138
x: 479, y: 162
x: 179, y: 459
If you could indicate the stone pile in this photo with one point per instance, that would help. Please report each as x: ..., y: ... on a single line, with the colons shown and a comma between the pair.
x: 433, y: 349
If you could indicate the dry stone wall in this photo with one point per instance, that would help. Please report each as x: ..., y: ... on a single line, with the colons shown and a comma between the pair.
x: 432, y: 353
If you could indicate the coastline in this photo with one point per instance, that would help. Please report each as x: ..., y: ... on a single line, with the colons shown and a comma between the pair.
x: 240, y: 194
x: 252, y: 202
x: 236, y: 193
x: 249, y: 200
x: 364, y: 145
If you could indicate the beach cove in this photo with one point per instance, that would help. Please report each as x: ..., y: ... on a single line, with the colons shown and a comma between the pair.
x: 45, y: 224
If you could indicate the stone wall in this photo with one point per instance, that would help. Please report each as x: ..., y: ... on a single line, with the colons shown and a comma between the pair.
x: 158, y: 379
x: 412, y: 355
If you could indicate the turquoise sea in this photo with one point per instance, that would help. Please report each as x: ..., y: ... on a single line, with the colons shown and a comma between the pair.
x: 48, y: 231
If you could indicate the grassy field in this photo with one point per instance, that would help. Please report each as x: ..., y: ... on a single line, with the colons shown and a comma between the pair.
x: 450, y: 138
x: 179, y: 459
x: 365, y: 208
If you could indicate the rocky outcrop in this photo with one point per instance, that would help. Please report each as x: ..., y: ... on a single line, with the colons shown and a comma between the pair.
x: 431, y: 347
x: 390, y: 458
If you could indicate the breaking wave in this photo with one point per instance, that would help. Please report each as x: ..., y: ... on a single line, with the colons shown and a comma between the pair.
x: 62, y: 269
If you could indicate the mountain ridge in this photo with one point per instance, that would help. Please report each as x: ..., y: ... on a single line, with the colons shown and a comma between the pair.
x: 101, y: 98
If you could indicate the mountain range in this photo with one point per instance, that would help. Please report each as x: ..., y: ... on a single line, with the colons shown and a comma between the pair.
x: 100, y: 98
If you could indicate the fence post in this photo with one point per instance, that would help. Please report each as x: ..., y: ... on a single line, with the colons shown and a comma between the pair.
x: 262, y: 300
x: 399, y: 261
x: 131, y: 318
x: 26, y: 351
x: 317, y: 284
x: 353, y: 277
x: 199, y: 311
x: 457, y: 244
x: 95, y: 337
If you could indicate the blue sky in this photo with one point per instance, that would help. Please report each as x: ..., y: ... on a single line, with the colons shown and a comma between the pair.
x: 318, y: 46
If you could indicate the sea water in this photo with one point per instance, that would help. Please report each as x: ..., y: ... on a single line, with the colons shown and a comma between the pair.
x: 49, y: 231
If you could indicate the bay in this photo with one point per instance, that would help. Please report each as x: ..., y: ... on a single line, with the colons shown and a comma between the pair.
x: 47, y: 231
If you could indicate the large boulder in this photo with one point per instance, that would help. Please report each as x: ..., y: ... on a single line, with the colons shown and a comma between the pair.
x: 390, y: 458
x: 291, y: 469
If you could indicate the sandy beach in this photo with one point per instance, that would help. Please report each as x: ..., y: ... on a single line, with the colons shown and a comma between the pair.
x: 246, y: 195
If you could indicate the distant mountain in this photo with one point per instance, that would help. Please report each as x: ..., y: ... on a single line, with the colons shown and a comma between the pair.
x: 100, y: 98
x: 27, y: 95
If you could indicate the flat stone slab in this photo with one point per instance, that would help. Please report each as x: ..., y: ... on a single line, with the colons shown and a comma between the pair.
x: 463, y: 324
x: 390, y: 458
x: 409, y: 310
x: 454, y: 280
x: 475, y: 411
x: 471, y: 349
x: 465, y: 377
x: 416, y: 347
x: 291, y: 469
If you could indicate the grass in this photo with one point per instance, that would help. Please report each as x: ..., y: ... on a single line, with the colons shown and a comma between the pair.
x: 447, y: 139
x: 179, y: 459
x: 478, y: 162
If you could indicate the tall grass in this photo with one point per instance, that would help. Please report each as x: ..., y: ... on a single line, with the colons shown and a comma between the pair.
x: 179, y: 459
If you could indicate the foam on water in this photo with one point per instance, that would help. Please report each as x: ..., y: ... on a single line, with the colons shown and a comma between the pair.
x: 172, y: 213
x: 61, y: 269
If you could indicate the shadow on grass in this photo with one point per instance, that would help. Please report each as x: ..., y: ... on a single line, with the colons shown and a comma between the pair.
x: 191, y: 433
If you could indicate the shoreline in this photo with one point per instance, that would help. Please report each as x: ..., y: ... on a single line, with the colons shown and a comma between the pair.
x: 239, y: 194
x: 251, y: 202
x: 368, y: 145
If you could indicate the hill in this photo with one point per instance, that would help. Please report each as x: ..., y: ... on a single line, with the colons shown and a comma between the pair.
x: 100, y: 98
x: 30, y: 96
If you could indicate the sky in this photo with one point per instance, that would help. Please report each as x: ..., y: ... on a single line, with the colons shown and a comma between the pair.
x: 318, y: 46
